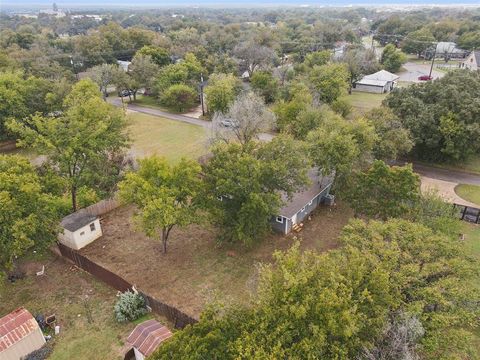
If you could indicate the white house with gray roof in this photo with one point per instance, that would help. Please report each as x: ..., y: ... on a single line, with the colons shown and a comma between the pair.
x: 79, y: 230
x: 380, y: 82
x: 302, y: 203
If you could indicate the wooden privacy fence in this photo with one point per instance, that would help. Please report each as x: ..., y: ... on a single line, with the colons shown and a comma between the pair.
x: 467, y: 213
x: 177, y: 317
x: 102, y: 207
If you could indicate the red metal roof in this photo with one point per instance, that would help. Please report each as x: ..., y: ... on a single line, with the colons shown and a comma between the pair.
x: 147, y: 336
x: 16, y: 326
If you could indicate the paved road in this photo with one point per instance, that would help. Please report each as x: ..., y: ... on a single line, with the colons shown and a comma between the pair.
x: 458, y: 177
x: 176, y: 117
x: 414, y: 70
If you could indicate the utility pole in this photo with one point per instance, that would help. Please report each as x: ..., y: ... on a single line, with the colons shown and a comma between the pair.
x: 201, y: 94
x: 433, y: 60
x: 73, y: 66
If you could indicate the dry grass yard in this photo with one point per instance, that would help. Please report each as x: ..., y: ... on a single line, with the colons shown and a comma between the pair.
x: 196, y: 268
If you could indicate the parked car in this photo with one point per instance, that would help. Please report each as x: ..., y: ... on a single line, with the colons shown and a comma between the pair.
x: 425, y: 78
x: 228, y: 123
x: 124, y: 93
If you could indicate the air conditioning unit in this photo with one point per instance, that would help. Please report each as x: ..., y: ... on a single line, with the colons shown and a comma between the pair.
x: 329, y: 199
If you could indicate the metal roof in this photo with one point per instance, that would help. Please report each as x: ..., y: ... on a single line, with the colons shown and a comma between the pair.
x: 147, y: 336
x: 382, y: 75
x: 380, y: 83
x: 16, y: 326
x: 77, y: 220
x: 302, y: 198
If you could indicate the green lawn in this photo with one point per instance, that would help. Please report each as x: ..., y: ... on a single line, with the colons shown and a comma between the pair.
x: 469, y: 192
x: 171, y: 139
x: 472, y: 165
x: 82, y: 305
x: 149, y: 101
x: 363, y: 101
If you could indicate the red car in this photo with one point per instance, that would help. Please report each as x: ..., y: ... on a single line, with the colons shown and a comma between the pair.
x: 425, y: 78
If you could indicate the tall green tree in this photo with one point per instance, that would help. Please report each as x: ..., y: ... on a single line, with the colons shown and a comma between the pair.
x: 344, y: 304
x: 244, y: 184
x: 392, y: 59
x: 392, y: 139
x: 221, y: 92
x: 266, y: 85
x: 87, y: 132
x: 385, y: 192
x: 179, y: 97
x: 160, y: 56
x: 105, y: 75
x: 28, y: 215
x: 165, y: 195
x: 418, y: 41
x: 442, y: 116
x: 330, y: 81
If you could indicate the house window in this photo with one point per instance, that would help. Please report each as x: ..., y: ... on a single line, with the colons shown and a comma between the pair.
x: 92, y: 227
x: 279, y: 219
x: 82, y: 233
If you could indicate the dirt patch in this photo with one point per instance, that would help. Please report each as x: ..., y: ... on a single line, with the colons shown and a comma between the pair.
x: 196, y: 268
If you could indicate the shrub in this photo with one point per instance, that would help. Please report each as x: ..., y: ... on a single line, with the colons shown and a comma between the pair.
x: 130, y: 306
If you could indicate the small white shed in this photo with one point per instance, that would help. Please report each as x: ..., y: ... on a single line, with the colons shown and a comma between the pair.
x: 79, y: 230
x: 380, y: 82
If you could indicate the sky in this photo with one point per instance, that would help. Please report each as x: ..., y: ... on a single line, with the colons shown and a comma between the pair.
x: 219, y: 3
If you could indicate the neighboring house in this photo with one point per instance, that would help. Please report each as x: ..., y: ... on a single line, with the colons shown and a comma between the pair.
x: 147, y: 337
x: 20, y: 335
x: 124, y: 64
x: 302, y: 203
x: 380, y: 82
x: 79, y: 230
x: 472, y: 62
x: 445, y: 49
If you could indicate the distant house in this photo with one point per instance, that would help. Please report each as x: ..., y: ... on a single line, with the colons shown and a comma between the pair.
x: 146, y: 337
x: 445, y: 49
x: 380, y: 82
x: 472, y: 62
x: 302, y: 203
x: 124, y: 64
x: 20, y: 335
x: 79, y: 230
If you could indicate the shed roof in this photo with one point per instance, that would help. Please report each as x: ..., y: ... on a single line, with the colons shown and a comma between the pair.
x: 369, y: 82
x: 382, y: 75
x: 147, y: 336
x: 302, y: 198
x: 16, y: 326
x: 77, y: 220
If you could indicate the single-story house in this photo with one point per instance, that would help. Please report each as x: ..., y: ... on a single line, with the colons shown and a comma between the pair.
x: 20, y: 335
x: 79, y: 229
x: 472, y: 62
x: 147, y: 337
x: 445, y: 49
x: 380, y: 82
x: 302, y: 203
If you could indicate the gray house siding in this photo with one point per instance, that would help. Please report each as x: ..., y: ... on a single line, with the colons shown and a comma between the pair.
x: 303, y: 213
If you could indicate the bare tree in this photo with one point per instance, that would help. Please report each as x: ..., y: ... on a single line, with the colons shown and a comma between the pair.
x: 399, y: 340
x: 247, y: 118
x: 253, y: 56
x: 105, y: 75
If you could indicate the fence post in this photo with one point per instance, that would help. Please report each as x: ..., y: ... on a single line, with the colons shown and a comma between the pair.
x: 478, y: 217
x: 464, y: 212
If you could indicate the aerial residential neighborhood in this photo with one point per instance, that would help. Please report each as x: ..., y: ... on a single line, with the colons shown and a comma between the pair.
x: 239, y: 181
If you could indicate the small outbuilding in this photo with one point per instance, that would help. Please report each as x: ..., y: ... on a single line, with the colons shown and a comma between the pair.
x: 79, y: 230
x: 472, y: 62
x: 380, y: 82
x: 20, y: 335
x: 147, y: 337
x: 302, y: 203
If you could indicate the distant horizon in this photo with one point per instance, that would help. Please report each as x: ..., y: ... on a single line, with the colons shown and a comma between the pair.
x: 127, y: 4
